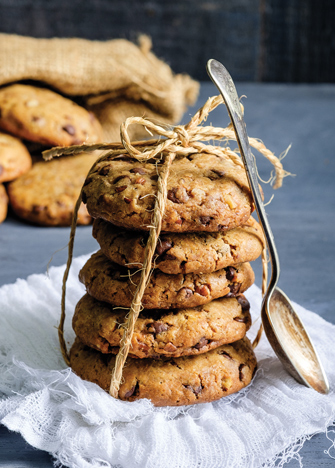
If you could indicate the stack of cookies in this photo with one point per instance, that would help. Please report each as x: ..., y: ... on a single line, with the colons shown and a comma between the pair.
x: 38, y: 118
x: 189, y: 343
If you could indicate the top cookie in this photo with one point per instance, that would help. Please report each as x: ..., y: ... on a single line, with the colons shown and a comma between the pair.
x: 46, y: 117
x: 15, y: 159
x: 205, y: 193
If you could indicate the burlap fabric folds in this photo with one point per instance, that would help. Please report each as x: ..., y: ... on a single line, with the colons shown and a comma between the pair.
x: 116, y: 79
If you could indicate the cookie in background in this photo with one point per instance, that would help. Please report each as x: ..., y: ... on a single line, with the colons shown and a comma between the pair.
x: 15, y: 159
x: 41, y: 115
x: 47, y: 194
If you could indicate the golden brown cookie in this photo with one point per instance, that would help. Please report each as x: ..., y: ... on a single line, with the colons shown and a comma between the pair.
x: 3, y: 203
x: 41, y: 115
x: 173, y: 382
x: 172, y: 333
x: 205, y: 193
x: 193, y: 252
x: 15, y: 159
x: 109, y: 282
x: 47, y: 194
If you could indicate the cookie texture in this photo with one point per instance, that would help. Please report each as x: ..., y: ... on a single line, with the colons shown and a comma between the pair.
x: 172, y: 333
x: 194, y: 252
x: 109, y: 282
x: 47, y: 194
x: 15, y: 159
x: 46, y: 117
x: 3, y: 203
x: 173, y: 382
x: 205, y: 193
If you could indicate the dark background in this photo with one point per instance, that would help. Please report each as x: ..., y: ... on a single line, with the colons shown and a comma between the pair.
x: 257, y: 40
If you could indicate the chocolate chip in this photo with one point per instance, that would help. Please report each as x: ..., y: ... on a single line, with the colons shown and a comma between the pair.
x: 104, y: 170
x: 243, y: 301
x: 172, y: 195
x: 240, y: 371
x: 143, y: 347
x: 241, y: 319
x: 169, y: 257
x: 121, y: 188
x: 195, y: 390
x: 138, y: 170
x: 203, y: 290
x: 234, y: 289
x: 187, y: 292
x: 162, y: 247
x: 159, y: 327
x: 127, y: 200
x: 119, y: 178
x: 179, y: 221
x: 170, y: 348
x: 205, y: 220
x: 130, y: 392
x: 224, y: 353
x: 140, y: 180
x: 69, y: 129
x: 222, y: 227
x: 201, y: 343
x: 230, y: 273
x: 217, y: 172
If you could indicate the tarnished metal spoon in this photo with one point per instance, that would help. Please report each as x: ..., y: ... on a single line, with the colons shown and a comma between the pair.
x: 282, y: 326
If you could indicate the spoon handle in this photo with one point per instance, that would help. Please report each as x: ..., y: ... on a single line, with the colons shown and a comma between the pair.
x: 223, y: 81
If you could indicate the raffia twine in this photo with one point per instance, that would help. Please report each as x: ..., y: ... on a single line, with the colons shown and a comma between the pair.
x: 178, y: 141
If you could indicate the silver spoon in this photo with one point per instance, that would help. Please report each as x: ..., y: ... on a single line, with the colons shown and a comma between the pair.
x: 282, y: 326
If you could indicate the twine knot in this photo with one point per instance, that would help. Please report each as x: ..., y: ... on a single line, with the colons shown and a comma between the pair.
x: 182, y: 135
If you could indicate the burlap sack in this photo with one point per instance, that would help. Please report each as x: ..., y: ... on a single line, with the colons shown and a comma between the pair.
x: 117, y: 78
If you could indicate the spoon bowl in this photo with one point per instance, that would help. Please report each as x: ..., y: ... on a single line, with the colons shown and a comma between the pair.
x: 291, y: 342
x: 283, y: 327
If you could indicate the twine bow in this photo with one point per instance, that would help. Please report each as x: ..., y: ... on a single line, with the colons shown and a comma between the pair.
x: 178, y: 141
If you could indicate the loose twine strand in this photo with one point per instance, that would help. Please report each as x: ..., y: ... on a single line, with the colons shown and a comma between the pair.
x: 178, y: 141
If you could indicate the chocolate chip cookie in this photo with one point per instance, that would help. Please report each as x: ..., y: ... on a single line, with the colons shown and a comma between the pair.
x: 173, y: 382
x: 3, y: 203
x: 205, y: 193
x: 109, y: 282
x: 172, y: 333
x: 47, y: 194
x: 15, y: 159
x: 41, y: 115
x: 194, y: 252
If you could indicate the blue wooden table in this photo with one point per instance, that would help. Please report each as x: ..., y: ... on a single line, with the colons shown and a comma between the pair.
x: 302, y: 216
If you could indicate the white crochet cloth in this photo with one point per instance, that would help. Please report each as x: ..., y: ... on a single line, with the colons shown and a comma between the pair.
x: 82, y: 426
